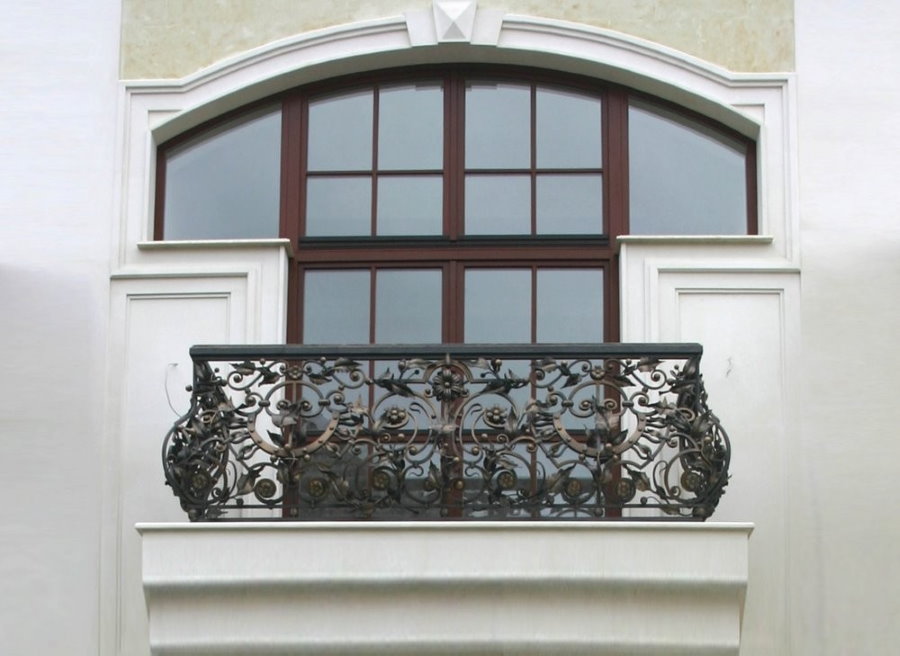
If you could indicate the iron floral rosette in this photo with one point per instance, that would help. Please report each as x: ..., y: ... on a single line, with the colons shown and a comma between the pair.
x: 437, y: 432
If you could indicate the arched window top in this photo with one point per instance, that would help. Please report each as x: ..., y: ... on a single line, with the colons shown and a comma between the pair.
x: 456, y: 152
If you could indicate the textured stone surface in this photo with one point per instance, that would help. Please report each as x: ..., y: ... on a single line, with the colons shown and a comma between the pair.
x: 170, y: 39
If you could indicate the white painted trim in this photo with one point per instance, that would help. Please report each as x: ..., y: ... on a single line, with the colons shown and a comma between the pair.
x: 441, y: 526
x: 145, y: 273
x: 214, y: 244
x: 678, y: 240
x: 613, y: 587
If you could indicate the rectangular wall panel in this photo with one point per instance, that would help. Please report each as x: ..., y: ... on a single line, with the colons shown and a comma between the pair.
x: 161, y: 319
x: 740, y: 320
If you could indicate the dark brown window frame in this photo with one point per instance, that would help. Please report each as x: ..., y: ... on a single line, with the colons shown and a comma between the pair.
x: 453, y: 251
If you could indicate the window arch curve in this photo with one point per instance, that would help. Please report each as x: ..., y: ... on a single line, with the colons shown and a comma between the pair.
x: 470, y: 177
x: 701, y: 173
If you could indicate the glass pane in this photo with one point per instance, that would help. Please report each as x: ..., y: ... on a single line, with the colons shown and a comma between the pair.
x: 568, y: 130
x: 340, y: 132
x: 498, y: 126
x: 498, y: 205
x: 410, y: 205
x: 569, y: 204
x: 226, y: 185
x: 684, y: 179
x: 338, y: 207
x: 411, y: 127
x: 336, y: 307
x: 570, y: 305
x: 408, y: 306
x: 498, y: 306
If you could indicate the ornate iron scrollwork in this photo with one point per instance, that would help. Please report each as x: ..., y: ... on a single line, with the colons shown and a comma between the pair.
x: 468, y: 431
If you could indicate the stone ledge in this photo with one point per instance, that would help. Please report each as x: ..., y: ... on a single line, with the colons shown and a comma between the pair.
x: 445, y: 587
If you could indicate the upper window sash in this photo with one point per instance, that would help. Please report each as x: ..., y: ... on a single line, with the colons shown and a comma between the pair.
x: 457, y: 155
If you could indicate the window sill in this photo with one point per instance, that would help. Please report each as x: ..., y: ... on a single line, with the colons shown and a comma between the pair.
x: 214, y: 244
x: 445, y: 587
x: 741, y: 240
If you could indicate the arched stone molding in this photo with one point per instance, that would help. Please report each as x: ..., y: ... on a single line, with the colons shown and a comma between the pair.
x: 758, y: 105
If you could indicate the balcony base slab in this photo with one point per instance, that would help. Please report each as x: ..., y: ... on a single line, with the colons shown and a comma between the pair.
x: 482, y: 588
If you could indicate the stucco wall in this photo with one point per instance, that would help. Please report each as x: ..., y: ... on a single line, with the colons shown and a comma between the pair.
x: 173, y: 39
x: 844, y: 551
x: 61, y: 202
x: 57, y: 186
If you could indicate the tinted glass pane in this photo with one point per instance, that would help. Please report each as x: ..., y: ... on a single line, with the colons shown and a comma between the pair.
x: 338, y: 207
x: 498, y: 204
x: 340, y: 132
x: 408, y: 306
x: 568, y: 130
x: 569, y: 204
x: 410, y: 205
x: 570, y: 305
x: 226, y: 185
x: 336, y: 307
x: 684, y: 179
x: 498, y: 306
x: 498, y: 126
x: 411, y: 127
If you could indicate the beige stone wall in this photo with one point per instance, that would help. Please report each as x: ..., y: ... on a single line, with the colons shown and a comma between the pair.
x: 173, y: 38
x: 740, y: 35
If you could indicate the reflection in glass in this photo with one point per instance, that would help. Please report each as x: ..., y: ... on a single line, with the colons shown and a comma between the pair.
x: 498, y: 126
x: 568, y: 130
x: 569, y: 305
x: 411, y: 127
x: 336, y: 307
x: 408, y: 306
x: 684, y: 179
x: 340, y: 132
x: 226, y: 185
x: 498, y: 205
x: 410, y: 205
x: 497, y: 306
x: 569, y: 204
x: 338, y: 207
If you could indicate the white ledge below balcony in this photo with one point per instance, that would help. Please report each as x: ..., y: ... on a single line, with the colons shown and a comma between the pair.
x: 644, y: 588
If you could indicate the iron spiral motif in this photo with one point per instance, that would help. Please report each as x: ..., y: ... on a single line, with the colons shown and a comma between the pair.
x: 432, y: 432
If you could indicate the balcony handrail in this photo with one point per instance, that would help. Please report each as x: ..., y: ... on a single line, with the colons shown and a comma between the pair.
x: 434, y: 431
x: 221, y: 352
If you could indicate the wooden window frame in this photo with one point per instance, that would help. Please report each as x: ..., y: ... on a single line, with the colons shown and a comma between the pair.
x: 453, y: 248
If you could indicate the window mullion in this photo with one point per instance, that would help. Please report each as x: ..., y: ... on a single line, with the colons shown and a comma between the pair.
x: 376, y: 91
x: 752, y: 208
x: 292, y: 168
x: 449, y: 301
x: 533, y: 161
x: 454, y: 155
x: 615, y: 163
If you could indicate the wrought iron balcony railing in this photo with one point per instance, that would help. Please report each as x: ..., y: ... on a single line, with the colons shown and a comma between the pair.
x: 445, y: 431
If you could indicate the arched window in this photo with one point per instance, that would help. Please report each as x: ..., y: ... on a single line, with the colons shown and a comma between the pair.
x: 459, y: 204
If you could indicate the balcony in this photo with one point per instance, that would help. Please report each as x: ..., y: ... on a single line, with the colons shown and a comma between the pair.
x: 606, y: 431
x: 550, y: 437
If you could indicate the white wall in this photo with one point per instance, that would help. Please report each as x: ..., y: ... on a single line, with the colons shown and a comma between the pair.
x: 844, y: 552
x: 58, y: 63
x: 823, y: 570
